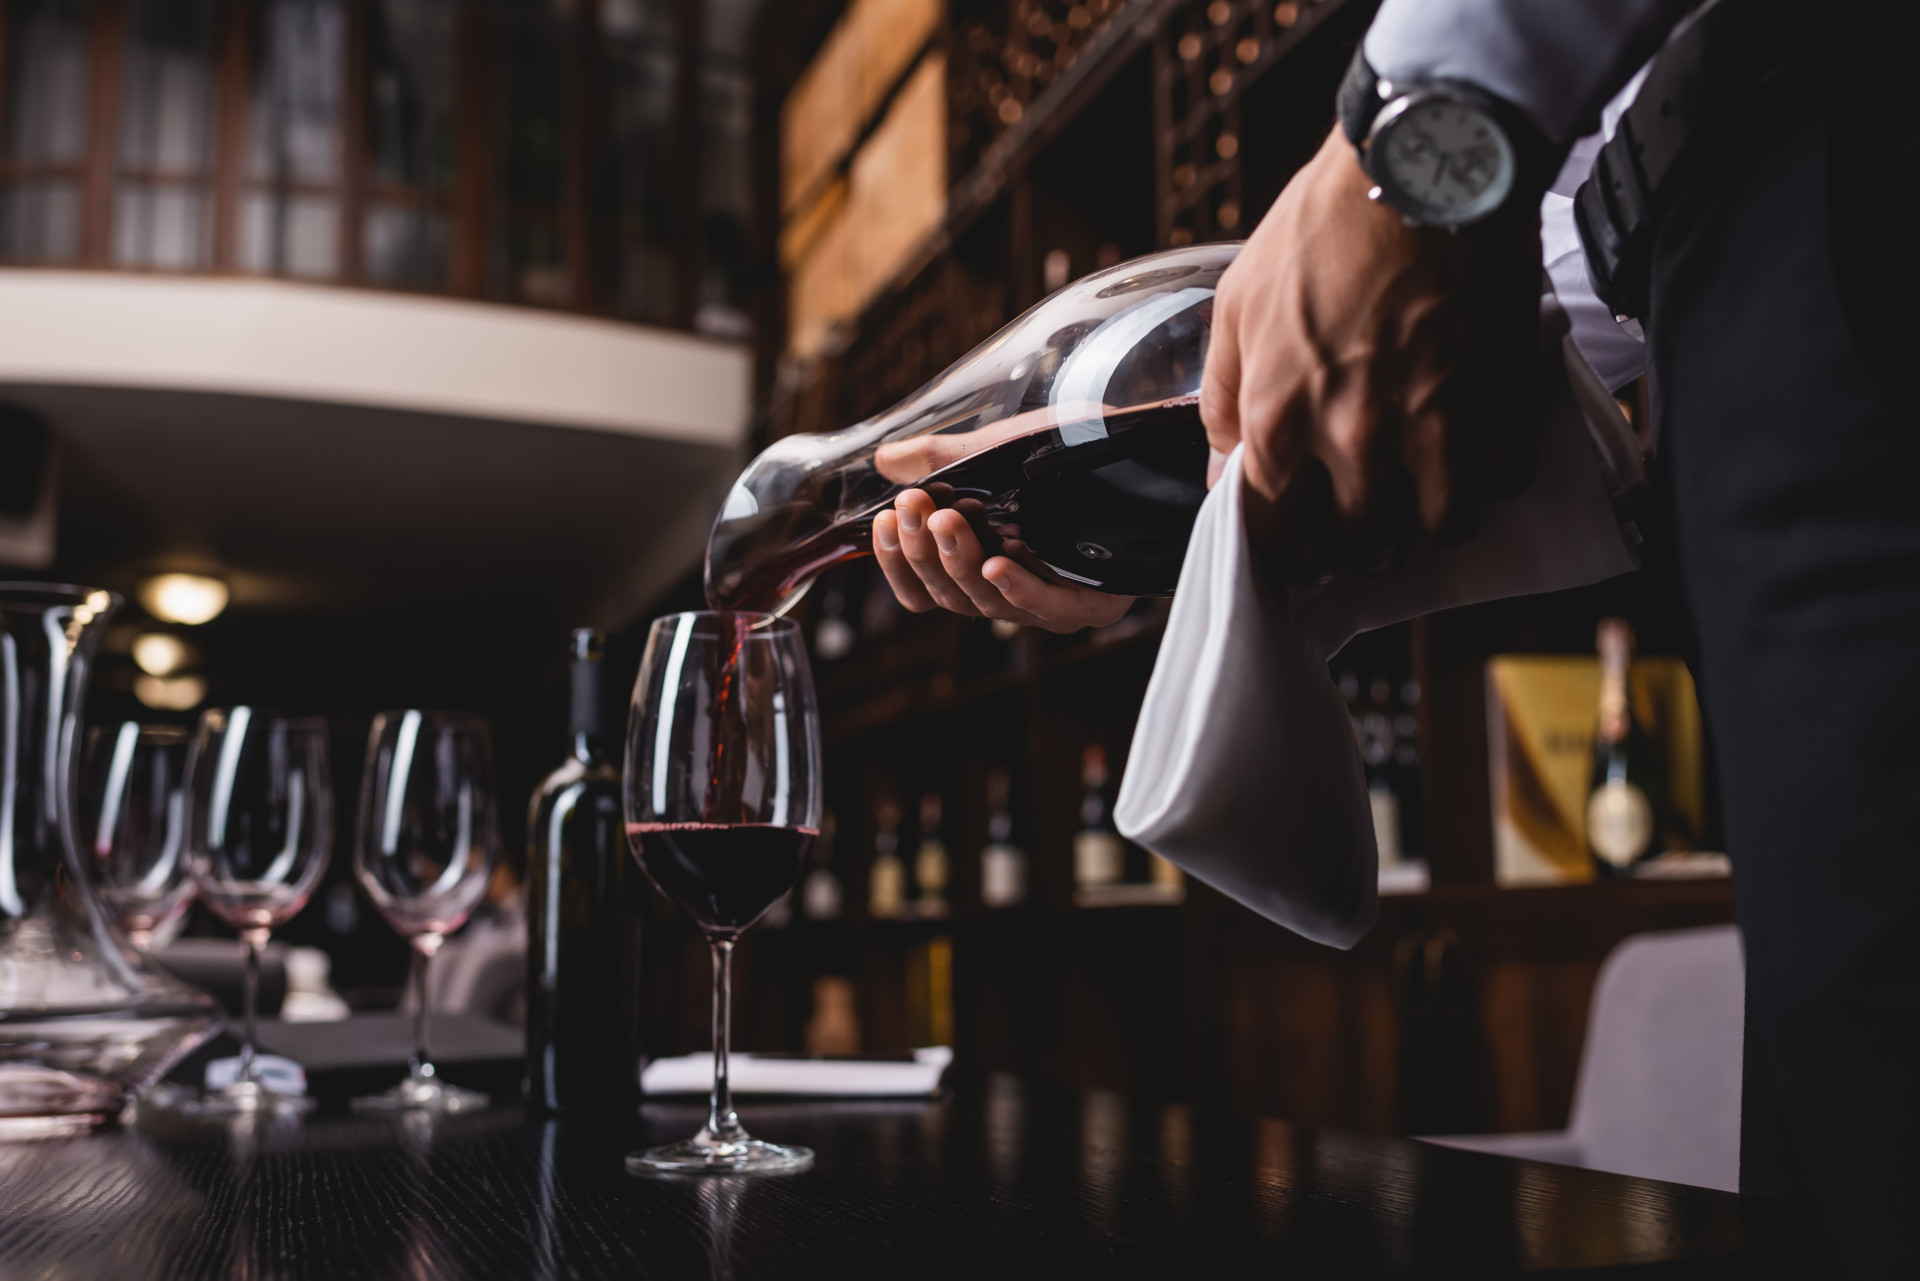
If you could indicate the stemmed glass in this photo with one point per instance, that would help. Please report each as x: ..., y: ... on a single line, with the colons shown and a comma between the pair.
x: 425, y: 851
x: 260, y: 833
x: 722, y: 790
x: 133, y: 813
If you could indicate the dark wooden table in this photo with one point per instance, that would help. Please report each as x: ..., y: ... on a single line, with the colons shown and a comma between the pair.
x: 997, y: 1180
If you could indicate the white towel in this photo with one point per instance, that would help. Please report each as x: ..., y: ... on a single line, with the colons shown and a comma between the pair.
x: 1244, y: 770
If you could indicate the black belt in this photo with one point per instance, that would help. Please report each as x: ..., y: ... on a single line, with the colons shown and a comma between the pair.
x: 1703, y: 83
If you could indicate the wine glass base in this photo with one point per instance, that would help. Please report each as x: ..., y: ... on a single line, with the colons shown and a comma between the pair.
x: 242, y: 1098
x: 423, y: 1096
x: 742, y: 1156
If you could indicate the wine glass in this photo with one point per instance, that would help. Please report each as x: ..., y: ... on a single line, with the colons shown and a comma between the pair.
x: 425, y: 851
x: 261, y: 802
x: 722, y: 792
x: 133, y: 808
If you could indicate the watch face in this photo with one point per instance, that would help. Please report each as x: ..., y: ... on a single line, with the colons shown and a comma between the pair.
x: 1441, y: 161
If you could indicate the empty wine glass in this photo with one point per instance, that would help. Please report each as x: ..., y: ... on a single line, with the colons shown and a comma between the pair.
x: 261, y: 801
x: 425, y: 851
x: 722, y: 791
x: 133, y: 815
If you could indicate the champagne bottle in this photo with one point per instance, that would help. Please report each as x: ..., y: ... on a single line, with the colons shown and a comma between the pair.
x: 887, y: 878
x: 1628, y: 795
x: 930, y: 861
x: 1099, y: 857
x: 1003, y: 865
x: 583, y: 926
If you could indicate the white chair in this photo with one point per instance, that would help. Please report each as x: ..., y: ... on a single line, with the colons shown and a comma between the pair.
x: 1658, y: 1094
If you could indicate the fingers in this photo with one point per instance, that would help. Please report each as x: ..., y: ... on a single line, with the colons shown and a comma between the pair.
x: 912, y: 509
x: 906, y: 585
x: 962, y: 557
x: 1054, y: 606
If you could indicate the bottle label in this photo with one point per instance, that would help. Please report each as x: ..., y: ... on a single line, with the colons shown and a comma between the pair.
x: 930, y: 869
x: 887, y: 887
x: 1003, y: 876
x: 1619, y: 822
x: 1098, y: 858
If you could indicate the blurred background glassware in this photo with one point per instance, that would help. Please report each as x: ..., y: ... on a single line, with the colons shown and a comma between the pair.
x: 133, y: 827
x: 86, y: 1022
x: 260, y: 833
x: 424, y: 852
x: 722, y: 799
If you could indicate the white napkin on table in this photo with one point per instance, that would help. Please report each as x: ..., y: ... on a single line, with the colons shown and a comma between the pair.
x: 1244, y: 770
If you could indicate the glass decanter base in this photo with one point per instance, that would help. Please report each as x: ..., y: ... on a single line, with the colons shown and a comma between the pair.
x: 423, y: 1096
x: 41, y: 1102
x: 707, y: 1153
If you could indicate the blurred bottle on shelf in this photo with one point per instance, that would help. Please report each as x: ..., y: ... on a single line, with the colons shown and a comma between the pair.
x: 932, y: 867
x: 833, y: 634
x: 1377, y: 743
x: 1406, y: 763
x: 1099, y: 857
x: 583, y: 922
x: 821, y: 897
x: 887, y: 877
x: 834, y: 1028
x: 1627, y: 799
x: 1003, y: 865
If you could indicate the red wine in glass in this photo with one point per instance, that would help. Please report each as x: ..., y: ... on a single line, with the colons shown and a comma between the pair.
x: 722, y: 797
x: 724, y: 876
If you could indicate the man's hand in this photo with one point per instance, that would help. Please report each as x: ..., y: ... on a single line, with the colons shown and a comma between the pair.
x: 1380, y: 375
x: 933, y: 560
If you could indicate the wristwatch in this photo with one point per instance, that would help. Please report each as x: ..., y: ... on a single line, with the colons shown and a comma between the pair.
x: 1444, y: 154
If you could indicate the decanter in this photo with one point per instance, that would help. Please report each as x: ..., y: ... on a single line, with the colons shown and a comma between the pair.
x: 1074, y: 432
x: 86, y: 1022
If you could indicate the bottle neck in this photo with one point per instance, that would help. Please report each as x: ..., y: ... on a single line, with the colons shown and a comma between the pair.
x: 584, y: 720
x: 1616, y: 714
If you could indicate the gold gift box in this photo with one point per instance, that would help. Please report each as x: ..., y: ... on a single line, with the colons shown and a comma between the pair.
x: 1542, y: 710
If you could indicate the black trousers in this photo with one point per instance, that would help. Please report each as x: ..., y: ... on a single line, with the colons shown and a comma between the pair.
x: 1797, y: 509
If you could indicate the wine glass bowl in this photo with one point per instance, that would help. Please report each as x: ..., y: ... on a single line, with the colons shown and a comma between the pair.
x: 133, y: 826
x: 261, y: 831
x: 424, y: 853
x: 722, y: 800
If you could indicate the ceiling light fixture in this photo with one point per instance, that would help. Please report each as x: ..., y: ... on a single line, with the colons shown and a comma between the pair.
x: 183, y: 598
x: 159, y: 653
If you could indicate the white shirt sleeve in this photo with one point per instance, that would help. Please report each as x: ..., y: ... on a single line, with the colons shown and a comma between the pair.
x: 1557, y: 60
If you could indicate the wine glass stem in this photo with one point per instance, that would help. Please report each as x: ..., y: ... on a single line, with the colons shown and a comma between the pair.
x: 250, y: 1002
x: 420, y: 1067
x: 721, y: 1121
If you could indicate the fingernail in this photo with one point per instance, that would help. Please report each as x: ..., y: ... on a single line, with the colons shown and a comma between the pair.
x: 1000, y: 583
x: 909, y: 519
x: 884, y: 535
x: 947, y: 544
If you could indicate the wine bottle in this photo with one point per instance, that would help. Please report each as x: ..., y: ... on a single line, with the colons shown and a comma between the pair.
x: 820, y: 894
x: 930, y: 862
x: 1628, y: 795
x: 1099, y: 857
x: 583, y: 924
x: 1003, y: 865
x: 887, y: 878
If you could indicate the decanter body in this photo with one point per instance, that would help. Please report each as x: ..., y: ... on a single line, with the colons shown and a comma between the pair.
x: 86, y: 1022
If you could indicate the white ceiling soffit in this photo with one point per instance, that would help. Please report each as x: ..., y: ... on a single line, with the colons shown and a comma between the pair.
x: 365, y: 347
